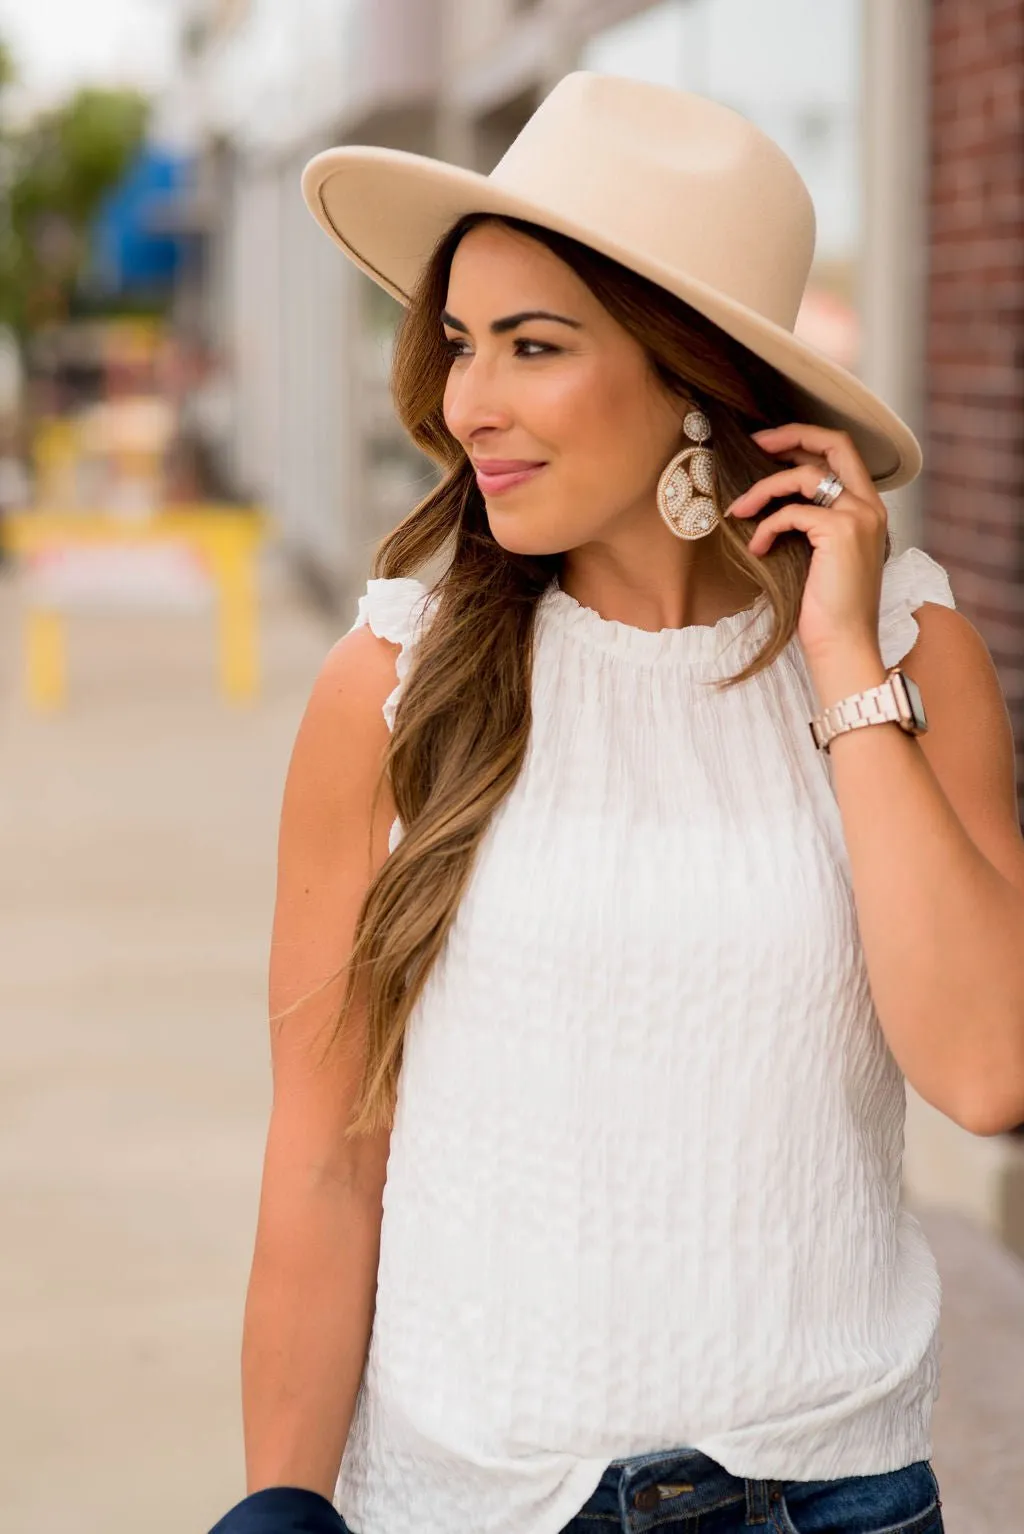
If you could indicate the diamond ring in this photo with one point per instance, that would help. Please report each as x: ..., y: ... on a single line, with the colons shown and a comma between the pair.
x: 829, y: 490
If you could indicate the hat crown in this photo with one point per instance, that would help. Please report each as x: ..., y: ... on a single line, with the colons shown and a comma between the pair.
x: 691, y: 182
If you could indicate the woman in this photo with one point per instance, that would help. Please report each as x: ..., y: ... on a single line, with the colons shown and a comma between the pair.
x: 582, y: 935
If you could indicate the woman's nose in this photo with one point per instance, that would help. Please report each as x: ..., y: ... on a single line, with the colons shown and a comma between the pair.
x: 475, y: 401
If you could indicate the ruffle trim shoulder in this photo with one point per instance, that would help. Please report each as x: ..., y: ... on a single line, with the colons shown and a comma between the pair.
x: 395, y: 609
x: 908, y: 580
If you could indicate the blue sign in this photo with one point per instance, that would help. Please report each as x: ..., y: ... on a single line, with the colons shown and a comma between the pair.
x: 134, y: 246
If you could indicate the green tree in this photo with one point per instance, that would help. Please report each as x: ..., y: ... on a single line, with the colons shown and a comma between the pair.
x: 55, y: 171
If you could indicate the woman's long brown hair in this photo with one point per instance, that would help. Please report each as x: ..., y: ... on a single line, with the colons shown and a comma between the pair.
x: 462, y: 725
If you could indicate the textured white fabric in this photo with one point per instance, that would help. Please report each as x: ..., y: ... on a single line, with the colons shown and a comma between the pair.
x: 644, y: 1182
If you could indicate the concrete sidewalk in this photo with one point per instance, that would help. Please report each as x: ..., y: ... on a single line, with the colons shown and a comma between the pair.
x: 136, y: 887
x: 136, y: 884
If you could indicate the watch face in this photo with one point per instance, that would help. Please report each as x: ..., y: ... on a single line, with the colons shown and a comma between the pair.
x: 913, y: 693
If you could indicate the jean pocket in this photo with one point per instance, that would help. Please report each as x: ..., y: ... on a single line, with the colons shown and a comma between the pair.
x: 904, y: 1501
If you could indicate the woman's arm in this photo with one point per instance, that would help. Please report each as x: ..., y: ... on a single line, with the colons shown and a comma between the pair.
x: 937, y: 859
x: 931, y: 822
x: 311, y: 1294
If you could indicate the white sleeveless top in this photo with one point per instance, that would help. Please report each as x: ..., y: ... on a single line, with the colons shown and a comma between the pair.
x: 643, y: 1189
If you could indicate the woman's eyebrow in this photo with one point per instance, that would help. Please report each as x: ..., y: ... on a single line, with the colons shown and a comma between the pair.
x: 510, y: 321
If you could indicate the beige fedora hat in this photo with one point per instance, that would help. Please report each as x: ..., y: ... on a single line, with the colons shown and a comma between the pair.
x: 681, y: 189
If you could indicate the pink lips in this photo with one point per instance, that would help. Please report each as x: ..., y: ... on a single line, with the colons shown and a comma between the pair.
x: 499, y: 474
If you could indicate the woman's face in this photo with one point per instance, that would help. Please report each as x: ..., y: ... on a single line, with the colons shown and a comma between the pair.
x: 580, y: 398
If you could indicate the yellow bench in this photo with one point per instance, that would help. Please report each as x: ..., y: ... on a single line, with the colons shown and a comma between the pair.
x: 225, y: 538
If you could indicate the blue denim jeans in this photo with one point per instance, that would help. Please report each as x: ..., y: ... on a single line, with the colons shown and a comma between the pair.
x: 682, y: 1490
x: 676, y: 1492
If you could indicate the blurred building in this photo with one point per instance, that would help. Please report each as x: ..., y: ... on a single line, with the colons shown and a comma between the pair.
x: 906, y: 120
x: 263, y: 85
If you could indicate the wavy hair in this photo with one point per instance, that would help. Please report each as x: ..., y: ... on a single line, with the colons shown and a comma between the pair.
x: 461, y: 728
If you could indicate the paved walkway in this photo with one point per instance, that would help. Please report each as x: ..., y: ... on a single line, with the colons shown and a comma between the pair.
x: 138, y: 832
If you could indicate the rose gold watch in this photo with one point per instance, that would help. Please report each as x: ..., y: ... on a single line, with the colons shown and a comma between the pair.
x: 897, y: 700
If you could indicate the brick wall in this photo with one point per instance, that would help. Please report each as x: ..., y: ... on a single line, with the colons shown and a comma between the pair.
x: 973, y: 500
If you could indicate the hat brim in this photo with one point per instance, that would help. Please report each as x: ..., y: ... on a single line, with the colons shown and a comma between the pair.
x: 387, y: 208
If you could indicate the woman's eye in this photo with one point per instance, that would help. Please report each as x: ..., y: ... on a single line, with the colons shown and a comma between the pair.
x: 454, y: 348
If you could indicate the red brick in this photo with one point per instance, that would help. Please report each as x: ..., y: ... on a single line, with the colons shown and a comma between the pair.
x: 973, y: 468
x: 987, y: 549
x: 973, y: 496
x: 985, y: 590
x: 960, y: 418
x: 1012, y: 678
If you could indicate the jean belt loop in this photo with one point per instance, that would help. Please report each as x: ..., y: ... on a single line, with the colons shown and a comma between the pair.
x: 757, y: 1501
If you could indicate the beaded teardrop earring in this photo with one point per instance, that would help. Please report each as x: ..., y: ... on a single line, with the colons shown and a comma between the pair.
x: 686, y: 489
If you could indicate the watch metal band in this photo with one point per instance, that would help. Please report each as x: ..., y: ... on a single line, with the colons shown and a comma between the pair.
x: 876, y: 705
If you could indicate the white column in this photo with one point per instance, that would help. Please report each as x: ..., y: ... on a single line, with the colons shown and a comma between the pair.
x: 894, y: 258
x: 454, y: 130
x: 568, y: 29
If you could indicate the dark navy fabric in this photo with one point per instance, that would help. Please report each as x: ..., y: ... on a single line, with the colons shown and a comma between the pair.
x: 281, y: 1510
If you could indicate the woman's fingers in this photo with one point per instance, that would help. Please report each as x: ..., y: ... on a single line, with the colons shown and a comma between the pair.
x: 802, y: 480
x: 836, y: 447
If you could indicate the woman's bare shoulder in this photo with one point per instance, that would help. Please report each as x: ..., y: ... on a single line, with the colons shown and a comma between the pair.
x: 339, y: 748
x: 355, y: 678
